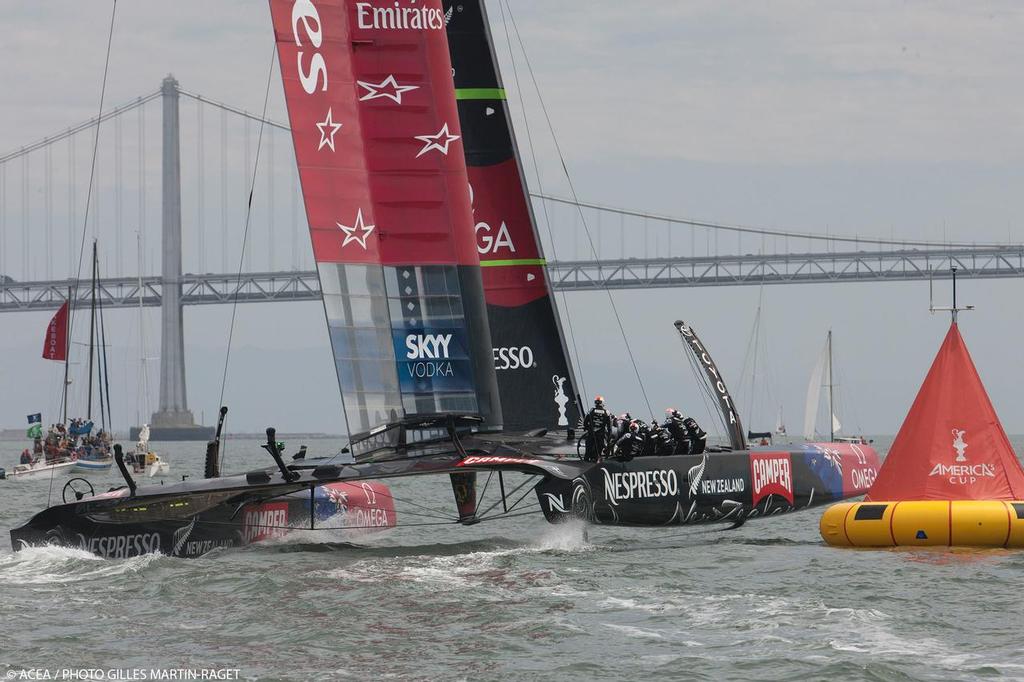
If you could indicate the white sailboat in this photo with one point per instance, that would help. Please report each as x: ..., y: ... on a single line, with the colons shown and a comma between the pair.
x: 143, y: 460
x: 780, y: 425
x: 821, y: 377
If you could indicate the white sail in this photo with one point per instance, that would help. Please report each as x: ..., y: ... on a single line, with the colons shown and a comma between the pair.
x: 780, y: 426
x: 836, y: 425
x: 814, y: 394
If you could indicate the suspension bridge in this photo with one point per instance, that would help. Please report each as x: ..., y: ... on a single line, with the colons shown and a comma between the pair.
x: 195, y: 188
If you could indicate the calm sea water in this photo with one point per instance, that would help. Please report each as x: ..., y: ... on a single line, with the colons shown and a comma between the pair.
x: 510, y: 600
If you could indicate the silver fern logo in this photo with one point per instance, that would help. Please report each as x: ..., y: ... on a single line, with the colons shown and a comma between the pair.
x: 181, y: 536
x: 696, y: 474
x: 448, y: 15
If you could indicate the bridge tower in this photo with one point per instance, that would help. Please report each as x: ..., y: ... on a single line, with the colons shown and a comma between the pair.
x: 173, y: 420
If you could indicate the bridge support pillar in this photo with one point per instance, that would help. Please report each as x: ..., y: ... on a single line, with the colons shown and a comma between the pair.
x: 173, y: 420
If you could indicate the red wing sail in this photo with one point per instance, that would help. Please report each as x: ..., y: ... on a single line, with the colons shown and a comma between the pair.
x: 379, y: 149
x: 534, y: 373
x: 55, y: 346
x: 951, y: 445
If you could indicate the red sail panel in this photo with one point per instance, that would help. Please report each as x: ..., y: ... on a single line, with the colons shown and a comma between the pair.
x: 55, y: 345
x: 951, y: 445
x: 379, y: 149
x: 373, y: 114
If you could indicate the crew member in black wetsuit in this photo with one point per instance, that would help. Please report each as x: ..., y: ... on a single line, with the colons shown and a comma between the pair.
x: 689, y: 437
x: 674, y: 425
x: 662, y: 442
x: 697, y: 436
x: 620, y: 425
x: 630, y: 444
x: 644, y: 434
x: 597, y: 431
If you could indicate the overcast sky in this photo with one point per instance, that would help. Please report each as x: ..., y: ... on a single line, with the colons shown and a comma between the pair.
x: 875, y: 118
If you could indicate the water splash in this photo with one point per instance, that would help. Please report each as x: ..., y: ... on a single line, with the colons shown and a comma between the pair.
x: 565, y: 537
x: 50, y: 564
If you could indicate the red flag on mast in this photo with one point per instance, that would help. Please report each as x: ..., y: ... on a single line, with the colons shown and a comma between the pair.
x: 55, y: 345
x: 951, y: 445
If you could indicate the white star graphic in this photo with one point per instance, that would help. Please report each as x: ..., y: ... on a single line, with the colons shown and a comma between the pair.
x: 436, y: 142
x: 388, y: 87
x: 358, y: 232
x: 327, y: 138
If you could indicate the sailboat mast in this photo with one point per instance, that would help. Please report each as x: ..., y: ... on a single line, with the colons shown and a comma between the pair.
x: 67, y: 359
x: 92, y: 329
x: 831, y: 408
x: 143, y: 378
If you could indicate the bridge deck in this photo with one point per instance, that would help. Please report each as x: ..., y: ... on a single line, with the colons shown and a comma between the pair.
x: 750, y: 269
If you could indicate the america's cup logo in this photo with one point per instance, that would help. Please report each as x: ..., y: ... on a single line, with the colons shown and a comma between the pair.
x: 959, y: 445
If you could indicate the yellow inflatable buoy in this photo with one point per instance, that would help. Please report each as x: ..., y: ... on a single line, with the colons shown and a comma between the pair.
x: 966, y: 523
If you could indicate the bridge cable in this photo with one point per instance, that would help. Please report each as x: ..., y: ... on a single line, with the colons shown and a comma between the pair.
x: 572, y: 190
x: 75, y: 129
x: 245, y: 237
x: 743, y: 229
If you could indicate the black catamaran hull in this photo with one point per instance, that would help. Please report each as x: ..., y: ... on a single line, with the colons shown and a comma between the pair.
x: 712, y: 488
x: 193, y: 523
x: 190, y: 519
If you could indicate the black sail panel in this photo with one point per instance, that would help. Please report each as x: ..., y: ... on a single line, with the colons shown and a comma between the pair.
x: 535, y: 377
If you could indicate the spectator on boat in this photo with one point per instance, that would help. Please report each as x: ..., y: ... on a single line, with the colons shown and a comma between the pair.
x: 597, y: 431
x: 26, y: 456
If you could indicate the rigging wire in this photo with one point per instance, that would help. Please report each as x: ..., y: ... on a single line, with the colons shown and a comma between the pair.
x: 88, y: 196
x: 245, y: 237
x: 579, y: 208
x: 709, y: 399
x: 543, y: 204
x: 104, y: 368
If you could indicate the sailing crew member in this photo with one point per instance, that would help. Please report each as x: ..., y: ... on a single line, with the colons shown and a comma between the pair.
x: 621, y: 425
x: 646, y: 443
x: 662, y: 442
x: 674, y: 425
x: 689, y: 437
x: 630, y: 444
x: 697, y: 436
x: 597, y: 431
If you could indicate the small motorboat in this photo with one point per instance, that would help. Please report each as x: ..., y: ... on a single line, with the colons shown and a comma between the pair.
x: 147, y: 464
x: 40, y: 469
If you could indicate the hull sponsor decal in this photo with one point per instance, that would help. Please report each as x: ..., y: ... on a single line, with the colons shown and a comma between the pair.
x: 771, y: 473
x: 264, y: 521
x: 639, y: 485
